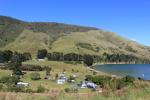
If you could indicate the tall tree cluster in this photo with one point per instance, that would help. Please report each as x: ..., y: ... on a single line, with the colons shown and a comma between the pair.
x: 6, y: 56
x: 104, y: 58
x: 15, y: 65
x: 41, y: 54
x: 58, y: 56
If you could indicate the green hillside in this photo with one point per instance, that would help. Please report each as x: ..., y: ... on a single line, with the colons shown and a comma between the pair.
x: 24, y: 36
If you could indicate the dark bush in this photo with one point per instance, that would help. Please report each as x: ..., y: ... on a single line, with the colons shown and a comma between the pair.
x: 35, y: 76
x: 94, y: 72
x: 13, y: 88
x: 31, y: 68
x: 41, y: 89
x: 9, y: 79
x: 67, y: 90
x: 71, y: 90
x: 88, y: 77
x: 99, y: 80
x: 129, y: 79
x: 4, y: 79
x: 1, y: 87
x: 88, y: 60
x: 120, y: 84
x: 29, y: 90
x: 73, y: 62
x: 71, y: 78
x: 41, y: 54
x: 74, y: 90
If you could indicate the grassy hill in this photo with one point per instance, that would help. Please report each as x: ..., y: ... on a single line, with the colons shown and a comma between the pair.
x: 24, y: 36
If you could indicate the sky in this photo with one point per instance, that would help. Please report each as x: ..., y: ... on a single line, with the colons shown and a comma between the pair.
x: 128, y: 18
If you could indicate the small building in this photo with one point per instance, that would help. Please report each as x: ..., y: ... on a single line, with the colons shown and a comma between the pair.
x: 41, y: 60
x: 61, y: 75
x: 73, y: 81
x: 61, y: 81
x: 22, y: 84
x: 75, y: 76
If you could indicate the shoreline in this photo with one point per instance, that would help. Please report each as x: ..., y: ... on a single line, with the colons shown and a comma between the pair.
x: 100, y: 72
x: 104, y: 73
x: 115, y: 63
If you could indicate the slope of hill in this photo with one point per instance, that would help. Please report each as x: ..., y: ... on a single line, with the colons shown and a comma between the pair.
x: 24, y: 36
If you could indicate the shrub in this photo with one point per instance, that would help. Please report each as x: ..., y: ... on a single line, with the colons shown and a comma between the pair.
x: 29, y: 90
x: 4, y: 79
x: 94, y: 72
x: 35, y: 76
x: 56, y: 76
x: 1, y: 87
x: 31, y: 68
x: 14, y: 79
x: 72, y: 70
x: 117, y: 84
x: 120, y: 84
x: 99, y: 80
x: 67, y: 90
x: 13, y: 88
x: 75, y: 90
x: 71, y: 78
x: 40, y: 89
x: 9, y: 79
x: 88, y: 60
x: 88, y: 77
x: 71, y: 90
x: 73, y: 62
x: 48, y: 70
x: 85, y: 45
x: 41, y: 54
x: 129, y: 79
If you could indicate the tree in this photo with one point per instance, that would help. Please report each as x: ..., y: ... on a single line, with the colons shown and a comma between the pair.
x: 56, y: 76
x: 5, y: 56
x: 11, y: 80
x: 41, y: 54
x: 48, y: 70
x: 26, y: 56
x: 71, y: 78
x: 41, y: 89
x: 88, y: 60
x: 15, y: 65
x: 35, y: 76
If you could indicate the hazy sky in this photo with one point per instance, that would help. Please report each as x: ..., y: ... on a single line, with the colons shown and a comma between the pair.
x: 129, y: 18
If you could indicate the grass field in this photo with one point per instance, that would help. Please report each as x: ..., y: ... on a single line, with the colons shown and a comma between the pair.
x: 57, y: 68
x: 140, y: 91
x: 130, y: 94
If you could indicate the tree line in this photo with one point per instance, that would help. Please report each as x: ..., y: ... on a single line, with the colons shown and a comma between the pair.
x: 7, y: 55
x: 120, y: 58
x: 104, y: 58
